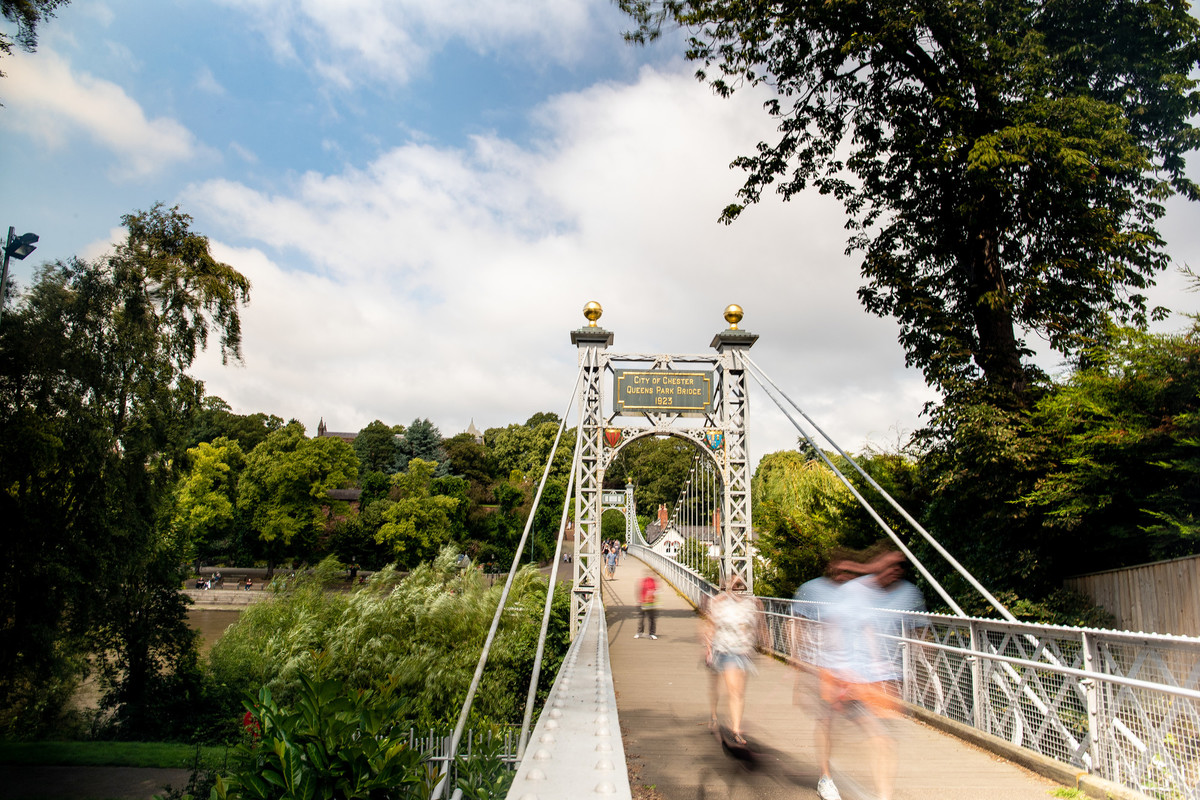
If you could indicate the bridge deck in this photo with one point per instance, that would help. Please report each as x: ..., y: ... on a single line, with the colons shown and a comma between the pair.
x: 662, y: 697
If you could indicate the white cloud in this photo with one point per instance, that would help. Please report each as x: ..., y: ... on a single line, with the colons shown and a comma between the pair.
x: 244, y: 153
x: 100, y: 12
x: 207, y: 82
x: 443, y: 283
x: 52, y: 103
x: 392, y: 40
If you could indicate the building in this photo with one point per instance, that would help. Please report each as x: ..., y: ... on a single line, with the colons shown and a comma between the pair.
x: 347, y: 437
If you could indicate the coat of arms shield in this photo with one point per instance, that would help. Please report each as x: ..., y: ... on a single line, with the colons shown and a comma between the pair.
x: 612, y: 436
x: 715, y: 439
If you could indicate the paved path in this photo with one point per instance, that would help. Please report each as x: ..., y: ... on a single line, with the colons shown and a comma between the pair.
x: 87, y: 783
x: 662, y: 696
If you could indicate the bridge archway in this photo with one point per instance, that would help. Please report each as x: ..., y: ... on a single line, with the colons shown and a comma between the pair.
x: 701, y: 398
x: 621, y: 501
x: 708, y: 454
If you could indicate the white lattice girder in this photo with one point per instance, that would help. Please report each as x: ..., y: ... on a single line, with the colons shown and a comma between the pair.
x: 728, y: 416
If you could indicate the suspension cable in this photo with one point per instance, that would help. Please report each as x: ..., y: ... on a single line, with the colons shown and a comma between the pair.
x: 541, y: 645
x: 862, y: 500
x: 456, y: 739
x: 757, y: 371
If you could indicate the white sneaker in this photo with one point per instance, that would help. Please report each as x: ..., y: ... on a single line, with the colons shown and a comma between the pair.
x: 652, y: 636
x: 826, y: 790
x: 637, y: 636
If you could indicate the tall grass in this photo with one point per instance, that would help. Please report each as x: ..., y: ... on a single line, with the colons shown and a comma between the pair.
x: 420, y: 634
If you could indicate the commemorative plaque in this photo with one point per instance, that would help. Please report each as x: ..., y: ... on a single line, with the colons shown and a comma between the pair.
x: 662, y: 390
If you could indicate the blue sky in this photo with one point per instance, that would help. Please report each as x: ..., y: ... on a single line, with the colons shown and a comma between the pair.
x: 425, y: 193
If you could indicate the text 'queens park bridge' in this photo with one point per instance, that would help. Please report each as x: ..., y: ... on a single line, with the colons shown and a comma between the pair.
x: 1109, y: 712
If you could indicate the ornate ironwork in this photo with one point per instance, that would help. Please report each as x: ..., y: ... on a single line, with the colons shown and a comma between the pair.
x: 718, y: 431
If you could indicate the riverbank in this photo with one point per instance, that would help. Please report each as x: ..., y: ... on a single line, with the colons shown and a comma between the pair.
x: 226, y: 599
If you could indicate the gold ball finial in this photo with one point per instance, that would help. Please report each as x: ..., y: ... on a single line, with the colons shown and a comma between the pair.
x: 592, y: 311
x: 733, y: 315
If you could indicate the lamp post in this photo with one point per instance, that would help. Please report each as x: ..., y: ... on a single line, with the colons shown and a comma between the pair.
x: 14, y: 247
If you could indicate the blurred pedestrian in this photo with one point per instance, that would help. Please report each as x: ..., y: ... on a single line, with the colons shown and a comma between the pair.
x: 648, y: 600
x: 734, y: 628
x: 860, y: 665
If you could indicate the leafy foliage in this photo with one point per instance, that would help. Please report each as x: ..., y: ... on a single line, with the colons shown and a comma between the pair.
x: 215, y: 419
x: 422, y: 440
x: 483, y: 775
x: 422, y: 632
x: 657, y: 468
x: 797, y: 505
x: 417, y: 525
x: 1002, y: 164
x: 330, y: 743
x: 287, y: 479
x: 523, y: 449
x: 95, y: 404
x: 27, y: 14
x: 377, y: 448
x: 206, y: 497
x: 1125, y: 459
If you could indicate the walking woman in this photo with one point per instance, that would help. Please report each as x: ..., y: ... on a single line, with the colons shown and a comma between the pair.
x: 734, y: 627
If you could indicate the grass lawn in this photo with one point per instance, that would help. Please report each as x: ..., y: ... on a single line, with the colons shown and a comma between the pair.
x: 112, y: 754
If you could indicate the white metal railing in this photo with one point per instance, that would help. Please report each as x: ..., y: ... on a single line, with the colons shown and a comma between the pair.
x: 437, y: 747
x: 1123, y: 706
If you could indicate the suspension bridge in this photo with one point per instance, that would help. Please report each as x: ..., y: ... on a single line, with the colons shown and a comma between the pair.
x: 993, y: 708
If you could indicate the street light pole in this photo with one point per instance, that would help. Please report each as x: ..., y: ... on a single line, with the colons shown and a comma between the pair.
x: 15, y: 247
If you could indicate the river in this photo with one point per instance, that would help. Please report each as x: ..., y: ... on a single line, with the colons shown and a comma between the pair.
x: 211, y: 624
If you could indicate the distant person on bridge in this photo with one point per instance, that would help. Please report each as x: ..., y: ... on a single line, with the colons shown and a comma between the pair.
x: 648, y: 599
x: 611, y: 560
x: 735, y: 626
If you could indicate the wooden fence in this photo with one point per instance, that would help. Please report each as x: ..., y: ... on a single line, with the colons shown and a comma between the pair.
x: 1163, y: 597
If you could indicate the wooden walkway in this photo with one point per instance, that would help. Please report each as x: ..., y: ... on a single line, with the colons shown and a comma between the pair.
x: 662, y: 696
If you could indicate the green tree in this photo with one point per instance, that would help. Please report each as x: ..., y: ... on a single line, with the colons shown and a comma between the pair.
x: 26, y: 15
x: 657, y: 468
x: 1002, y: 163
x: 422, y: 440
x: 418, y: 524
x: 206, y: 497
x: 420, y: 635
x: 95, y: 405
x: 1123, y: 438
x: 375, y: 486
x: 474, y: 462
x: 456, y: 487
x: 355, y: 539
x: 286, y: 484
x: 541, y: 418
x: 797, y: 506
x: 978, y: 461
x: 377, y: 448
x: 500, y: 528
x: 546, y: 519
x: 520, y: 448
x: 215, y: 419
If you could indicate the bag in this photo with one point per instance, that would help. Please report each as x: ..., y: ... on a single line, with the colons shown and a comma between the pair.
x: 648, y: 591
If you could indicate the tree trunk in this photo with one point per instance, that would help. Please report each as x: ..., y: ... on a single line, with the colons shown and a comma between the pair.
x: 997, y: 353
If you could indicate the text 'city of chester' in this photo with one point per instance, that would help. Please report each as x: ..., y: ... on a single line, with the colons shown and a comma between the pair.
x: 662, y: 390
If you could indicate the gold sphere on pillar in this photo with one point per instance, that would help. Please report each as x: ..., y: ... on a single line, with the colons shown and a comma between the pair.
x: 592, y: 312
x: 733, y: 315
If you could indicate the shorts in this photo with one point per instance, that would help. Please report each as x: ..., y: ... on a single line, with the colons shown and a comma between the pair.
x: 846, y: 696
x: 726, y: 661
